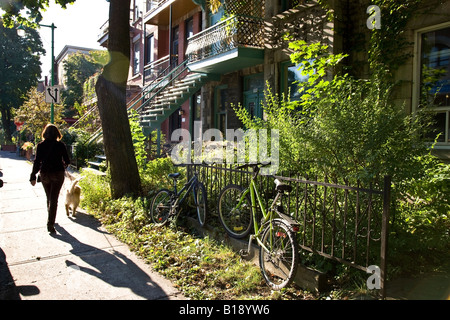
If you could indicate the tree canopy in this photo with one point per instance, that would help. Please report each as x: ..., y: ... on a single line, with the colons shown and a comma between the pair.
x: 78, y: 68
x: 110, y: 87
x: 19, y: 71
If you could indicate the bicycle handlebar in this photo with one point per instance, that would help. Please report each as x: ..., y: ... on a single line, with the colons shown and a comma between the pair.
x: 253, y: 165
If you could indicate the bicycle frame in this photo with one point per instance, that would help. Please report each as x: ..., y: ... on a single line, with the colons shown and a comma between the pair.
x: 268, y: 216
x: 188, y: 186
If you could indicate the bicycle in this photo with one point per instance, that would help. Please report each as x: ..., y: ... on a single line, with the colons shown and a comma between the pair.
x: 166, y: 203
x: 276, y: 234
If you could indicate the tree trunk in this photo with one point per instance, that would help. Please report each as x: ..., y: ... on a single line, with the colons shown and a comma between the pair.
x: 6, y: 123
x: 111, y: 94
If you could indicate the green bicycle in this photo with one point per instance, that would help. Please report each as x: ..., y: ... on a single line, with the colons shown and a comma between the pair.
x: 276, y: 236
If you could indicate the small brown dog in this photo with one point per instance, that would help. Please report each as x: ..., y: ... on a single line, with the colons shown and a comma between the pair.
x: 73, y: 194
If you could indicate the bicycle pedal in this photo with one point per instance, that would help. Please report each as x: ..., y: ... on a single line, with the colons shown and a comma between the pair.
x: 243, y: 253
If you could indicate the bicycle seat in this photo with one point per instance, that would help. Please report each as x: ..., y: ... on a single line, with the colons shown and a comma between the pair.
x: 280, y: 187
x: 174, y: 175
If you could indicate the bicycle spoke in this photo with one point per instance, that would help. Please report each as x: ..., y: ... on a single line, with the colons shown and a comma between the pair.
x: 235, y: 211
x: 278, y: 259
x: 161, y: 207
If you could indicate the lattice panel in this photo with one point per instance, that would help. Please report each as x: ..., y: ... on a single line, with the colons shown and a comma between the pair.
x: 250, y: 8
x: 305, y: 23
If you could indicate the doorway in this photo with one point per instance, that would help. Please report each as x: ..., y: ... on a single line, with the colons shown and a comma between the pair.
x: 254, y: 94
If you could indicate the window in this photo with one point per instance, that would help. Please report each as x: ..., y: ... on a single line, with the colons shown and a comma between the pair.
x: 197, y: 106
x: 149, y: 49
x: 175, y: 40
x: 137, y: 12
x: 189, y: 28
x: 150, y: 4
x: 433, y: 65
x: 221, y: 103
x: 290, y: 77
x: 136, y: 57
x: 189, y: 31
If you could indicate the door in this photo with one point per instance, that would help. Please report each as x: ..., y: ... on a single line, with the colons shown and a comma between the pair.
x: 254, y: 95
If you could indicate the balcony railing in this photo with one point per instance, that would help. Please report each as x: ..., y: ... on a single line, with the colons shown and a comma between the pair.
x: 152, y: 5
x: 104, y: 29
x: 232, y: 33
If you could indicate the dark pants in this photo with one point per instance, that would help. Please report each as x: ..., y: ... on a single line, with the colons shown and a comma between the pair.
x: 52, y: 182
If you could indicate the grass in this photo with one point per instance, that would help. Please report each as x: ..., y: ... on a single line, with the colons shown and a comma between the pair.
x: 205, y: 268
x: 201, y: 268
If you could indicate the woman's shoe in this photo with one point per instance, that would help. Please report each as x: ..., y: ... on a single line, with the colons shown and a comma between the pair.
x: 51, y: 229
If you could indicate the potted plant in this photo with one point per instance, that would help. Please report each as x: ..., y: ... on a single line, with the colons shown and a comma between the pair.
x: 28, y: 148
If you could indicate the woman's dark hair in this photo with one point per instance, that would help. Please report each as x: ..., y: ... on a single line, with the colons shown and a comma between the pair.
x: 51, y: 132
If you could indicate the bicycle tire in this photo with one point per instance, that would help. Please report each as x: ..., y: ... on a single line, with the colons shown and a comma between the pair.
x: 238, y: 222
x: 279, y: 264
x: 161, y: 207
x: 201, y: 202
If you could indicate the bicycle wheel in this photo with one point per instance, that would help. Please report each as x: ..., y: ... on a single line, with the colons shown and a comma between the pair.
x: 161, y: 207
x: 200, y: 201
x: 235, y: 211
x: 278, y: 256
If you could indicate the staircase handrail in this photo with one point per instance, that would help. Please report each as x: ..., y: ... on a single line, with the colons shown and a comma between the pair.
x: 92, y: 109
x: 159, y: 80
x: 169, y: 78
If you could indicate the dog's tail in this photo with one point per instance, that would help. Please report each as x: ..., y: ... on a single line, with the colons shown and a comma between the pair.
x: 74, y: 184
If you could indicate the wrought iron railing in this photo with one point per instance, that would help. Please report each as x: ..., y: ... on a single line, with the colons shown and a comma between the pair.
x: 234, y: 32
x: 159, y: 68
x: 339, y: 221
x: 159, y: 85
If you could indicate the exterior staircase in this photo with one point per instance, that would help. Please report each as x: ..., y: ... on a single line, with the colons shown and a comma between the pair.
x: 167, y: 101
x: 163, y: 96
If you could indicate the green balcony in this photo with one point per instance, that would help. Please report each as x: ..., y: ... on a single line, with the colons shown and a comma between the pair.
x: 231, y: 45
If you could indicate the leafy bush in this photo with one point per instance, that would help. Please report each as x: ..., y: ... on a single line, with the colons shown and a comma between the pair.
x: 96, y: 190
x: 342, y: 127
x: 83, y: 151
x: 350, y: 129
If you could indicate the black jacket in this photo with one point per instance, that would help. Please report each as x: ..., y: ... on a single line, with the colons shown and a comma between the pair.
x: 51, y: 156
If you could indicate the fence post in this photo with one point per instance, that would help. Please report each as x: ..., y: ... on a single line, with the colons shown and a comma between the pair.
x: 385, y: 233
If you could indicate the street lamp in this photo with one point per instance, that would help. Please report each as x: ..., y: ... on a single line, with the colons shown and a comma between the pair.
x: 21, y: 32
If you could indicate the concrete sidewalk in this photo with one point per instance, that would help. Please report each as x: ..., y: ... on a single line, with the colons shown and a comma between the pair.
x: 82, y: 261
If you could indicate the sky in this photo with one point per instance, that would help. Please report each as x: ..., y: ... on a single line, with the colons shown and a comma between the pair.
x: 78, y: 25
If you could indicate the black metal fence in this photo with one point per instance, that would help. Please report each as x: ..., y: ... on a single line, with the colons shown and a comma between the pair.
x: 344, y: 223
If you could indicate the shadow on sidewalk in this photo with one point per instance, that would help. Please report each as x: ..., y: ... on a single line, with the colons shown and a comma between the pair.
x: 8, y: 289
x: 111, y: 268
x: 86, y: 220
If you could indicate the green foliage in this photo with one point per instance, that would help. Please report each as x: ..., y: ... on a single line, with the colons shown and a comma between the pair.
x: 351, y: 129
x: 20, y: 69
x: 78, y: 67
x: 153, y: 173
x: 96, y: 191
x: 138, y: 139
x: 342, y: 127
x: 387, y: 44
x: 35, y: 113
x: 26, y: 12
x: 84, y: 151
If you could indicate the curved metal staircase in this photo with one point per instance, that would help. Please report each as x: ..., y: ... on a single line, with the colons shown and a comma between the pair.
x: 163, y: 96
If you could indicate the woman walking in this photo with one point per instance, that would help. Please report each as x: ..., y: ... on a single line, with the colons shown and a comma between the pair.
x: 51, y: 161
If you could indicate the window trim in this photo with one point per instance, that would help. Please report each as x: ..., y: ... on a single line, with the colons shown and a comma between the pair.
x: 136, y: 66
x: 217, y: 111
x: 416, y: 80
